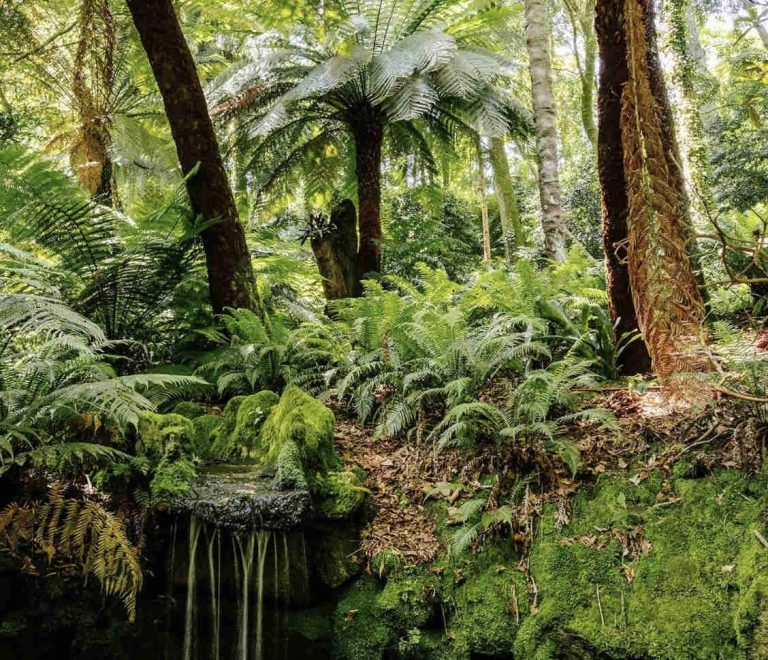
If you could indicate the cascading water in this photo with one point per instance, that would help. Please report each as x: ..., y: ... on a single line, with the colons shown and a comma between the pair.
x: 237, y: 588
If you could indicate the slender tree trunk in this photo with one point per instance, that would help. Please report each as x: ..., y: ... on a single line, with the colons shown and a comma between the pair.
x: 481, y: 187
x: 231, y: 279
x: 369, y: 139
x: 511, y: 224
x: 336, y: 254
x: 582, y: 21
x: 537, y: 28
x: 614, y: 76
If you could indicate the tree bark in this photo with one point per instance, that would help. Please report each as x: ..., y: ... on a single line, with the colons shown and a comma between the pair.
x: 369, y: 138
x: 481, y: 188
x: 336, y: 254
x: 511, y: 224
x: 671, y: 144
x: 537, y: 28
x: 613, y: 76
x: 231, y: 280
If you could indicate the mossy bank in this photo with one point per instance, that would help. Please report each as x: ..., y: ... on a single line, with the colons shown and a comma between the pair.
x: 667, y: 568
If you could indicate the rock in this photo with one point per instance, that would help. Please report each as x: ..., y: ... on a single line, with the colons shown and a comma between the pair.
x: 242, y: 498
x: 335, y: 557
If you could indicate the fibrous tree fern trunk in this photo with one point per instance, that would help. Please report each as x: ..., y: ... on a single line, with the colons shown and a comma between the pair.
x: 511, y: 224
x: 538, y: 29
x: 230, y: 273
x: 94, y: 71
x: 368, y: 133
x: 662, y: 279
x: 610, y: 153
x: 336, y: 254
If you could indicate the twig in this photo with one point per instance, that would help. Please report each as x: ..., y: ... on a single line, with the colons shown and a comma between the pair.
x: 600, y: 606
x: 760, y: 538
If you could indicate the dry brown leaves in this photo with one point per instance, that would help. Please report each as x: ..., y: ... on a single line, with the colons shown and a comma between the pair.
x: 398, y: 477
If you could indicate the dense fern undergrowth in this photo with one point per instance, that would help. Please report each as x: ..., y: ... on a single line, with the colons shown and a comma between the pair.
x: 99, y: 328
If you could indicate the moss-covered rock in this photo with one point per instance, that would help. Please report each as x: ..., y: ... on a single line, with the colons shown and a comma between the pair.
x: 302, y: 421
x: 243, y: 419
x: 289, y: 473
x: 673, y: 598
x: 488, y: 608
x: 168, y: 443
x: 172, y: 480
x: 164, y: 436
x: 408, y: 599
x: 206, y: 432
x: 224, y: 447
x: 336, y: 556
x: 359, y: 632
x: 341, y: 495
x: 251, y: 415
x: 189, y: 409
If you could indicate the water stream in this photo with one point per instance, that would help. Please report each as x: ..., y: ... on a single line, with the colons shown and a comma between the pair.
x: 237, y: 589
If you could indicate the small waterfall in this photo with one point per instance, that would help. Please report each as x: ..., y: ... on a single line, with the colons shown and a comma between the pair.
x: 234, y: 587
x: 189, y: 616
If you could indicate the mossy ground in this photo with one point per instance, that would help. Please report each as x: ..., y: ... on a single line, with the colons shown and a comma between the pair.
x: 632, y: 575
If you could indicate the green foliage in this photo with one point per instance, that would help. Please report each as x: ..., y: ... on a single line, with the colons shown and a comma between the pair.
x: 258, y: 354
x: 77, y: 530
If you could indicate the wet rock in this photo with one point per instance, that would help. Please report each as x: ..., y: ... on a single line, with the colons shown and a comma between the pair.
x: 241, y: 497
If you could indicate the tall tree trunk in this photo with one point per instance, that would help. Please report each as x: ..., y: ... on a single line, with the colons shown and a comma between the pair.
x: 231, y: 280
x: 667, y: 295
x: 658, y: 88
x: 537, y: 28
x: 336, y: 254
x: 369, y: 138
x: 610, y: 155
x: 511, y: 224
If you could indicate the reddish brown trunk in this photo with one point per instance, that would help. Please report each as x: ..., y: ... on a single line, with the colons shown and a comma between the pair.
x: 613, y: 76
x: 369, y: 138
x: 230, y: 274
x: 669, y: 136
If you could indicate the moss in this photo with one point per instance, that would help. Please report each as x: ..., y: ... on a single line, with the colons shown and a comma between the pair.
x: 312, y: 624
x: 189, y: 409
x: 341, y: 495
x: 164, y: 435
x: 206, y: 428
x: 671, y: 599
x: 172, y: 480
x: 304, y: 421
x: 223, y: 447
x: 290, y: 472
x: 251, y: 415
x: 336, y: 556
x: 408, y: 599
x: 359, y: 632
x: 484, y: 622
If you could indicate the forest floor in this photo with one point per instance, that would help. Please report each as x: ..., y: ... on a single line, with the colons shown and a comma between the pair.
x: 658, y: 428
